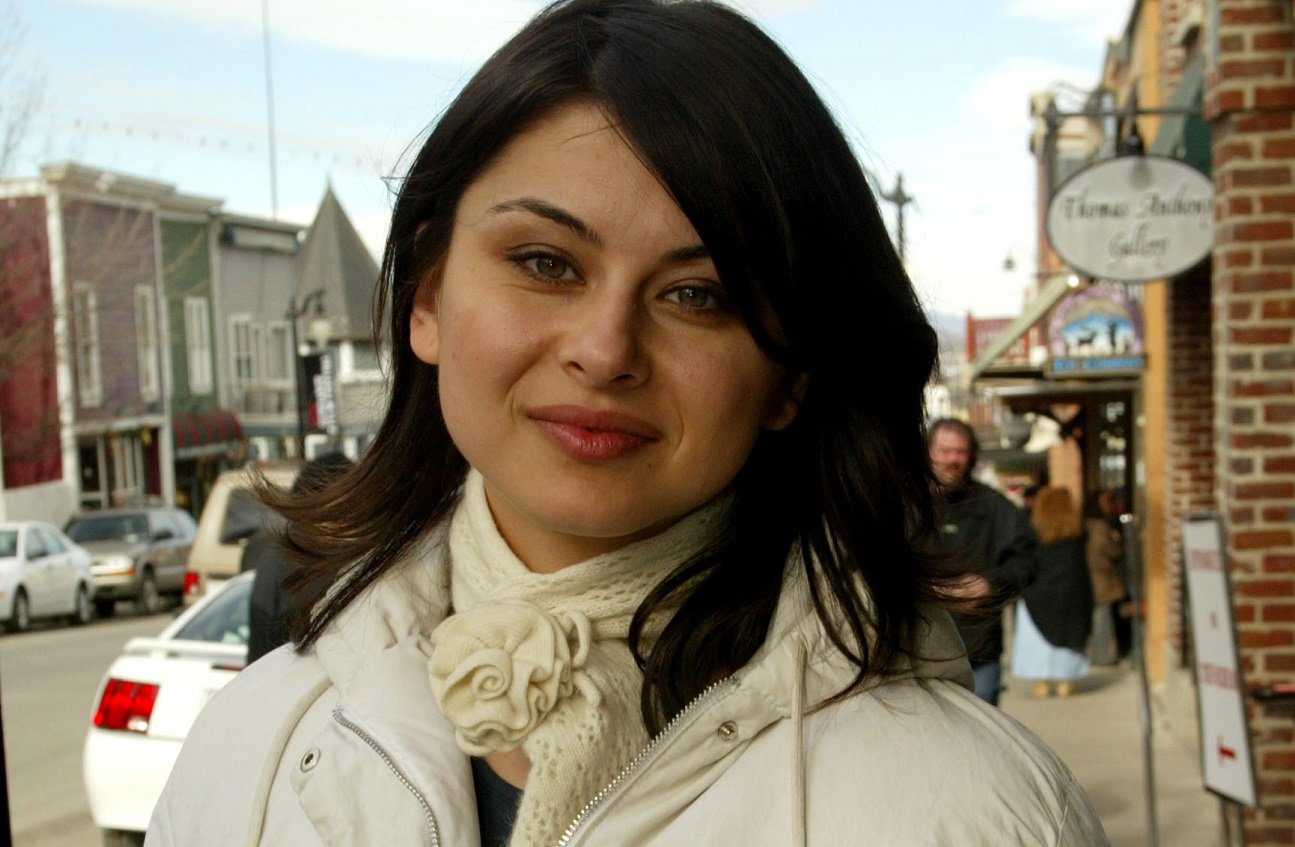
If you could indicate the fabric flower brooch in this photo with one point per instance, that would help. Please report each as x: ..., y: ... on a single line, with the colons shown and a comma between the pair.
x: 499, y: 669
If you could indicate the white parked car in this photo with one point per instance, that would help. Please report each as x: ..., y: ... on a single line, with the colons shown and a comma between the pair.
x: 43, y: 574
x: 149, y: 699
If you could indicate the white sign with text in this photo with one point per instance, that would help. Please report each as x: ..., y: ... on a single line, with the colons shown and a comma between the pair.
x: 1225, y: 736
x: 1133, y: 218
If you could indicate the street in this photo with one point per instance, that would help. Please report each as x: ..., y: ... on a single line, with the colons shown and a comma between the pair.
x: 47, y: 681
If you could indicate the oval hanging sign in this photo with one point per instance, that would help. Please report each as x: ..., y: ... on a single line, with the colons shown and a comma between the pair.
x: 1133, y: 218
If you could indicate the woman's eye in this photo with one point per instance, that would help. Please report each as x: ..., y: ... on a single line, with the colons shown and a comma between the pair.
x: 545, y: 266
x: 695, y: 297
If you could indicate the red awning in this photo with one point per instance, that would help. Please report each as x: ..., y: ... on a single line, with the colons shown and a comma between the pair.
x: 215, y: 428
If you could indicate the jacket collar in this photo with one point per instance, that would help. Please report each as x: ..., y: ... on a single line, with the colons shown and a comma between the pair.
x: 409, y: 600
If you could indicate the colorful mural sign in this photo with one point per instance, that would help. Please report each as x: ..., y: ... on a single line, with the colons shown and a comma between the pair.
x: 1096, y: 331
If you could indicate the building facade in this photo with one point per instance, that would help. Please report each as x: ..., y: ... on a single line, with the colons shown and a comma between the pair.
x: 149, y: 341
x: 1210, y: 424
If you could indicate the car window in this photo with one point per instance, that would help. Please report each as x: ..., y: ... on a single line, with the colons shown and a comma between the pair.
x: 8, y: 543
x: 162, y: 521
x: 158, y: 521
x: 35, y: 545
x: 244, y: 515
x: 52, y: 543
x: 184, y: 525
x: 223, y: 620
x: 132, y: 528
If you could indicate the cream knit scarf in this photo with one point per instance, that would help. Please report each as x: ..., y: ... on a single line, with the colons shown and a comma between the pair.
x: 541, y: 662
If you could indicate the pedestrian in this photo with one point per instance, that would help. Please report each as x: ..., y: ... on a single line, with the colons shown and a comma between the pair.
x: 987, y: 533
x: 638, y: 554
x: 1111, y: 639
x: 275, y: 598
x: 1055, y: 614
x: 1028, y: 494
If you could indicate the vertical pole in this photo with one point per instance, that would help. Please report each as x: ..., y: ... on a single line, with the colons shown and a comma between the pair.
x: 269, y: 108
x: 6, y: 830
x: 1133, y: 564
x: 900, y: 198
x: 297, y: 382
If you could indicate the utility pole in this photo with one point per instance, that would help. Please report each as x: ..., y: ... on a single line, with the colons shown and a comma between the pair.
x: 269, y: 108
x: 900, y: 198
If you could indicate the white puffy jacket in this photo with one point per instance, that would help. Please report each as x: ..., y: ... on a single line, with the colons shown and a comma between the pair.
x: 345, y: 746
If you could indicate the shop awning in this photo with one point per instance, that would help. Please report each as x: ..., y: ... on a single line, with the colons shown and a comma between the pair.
x: 205, y: 433
x: 1049, y: 294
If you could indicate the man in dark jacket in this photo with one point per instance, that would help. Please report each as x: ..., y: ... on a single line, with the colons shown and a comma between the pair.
x: 985, y: 532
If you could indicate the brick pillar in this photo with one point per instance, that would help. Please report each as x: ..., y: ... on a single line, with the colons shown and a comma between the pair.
x: 1249, y: 98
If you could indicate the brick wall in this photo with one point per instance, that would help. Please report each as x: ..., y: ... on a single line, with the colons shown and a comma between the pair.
x: 1249, y: 97
x: 29, y: 413
x: 1190, y: 463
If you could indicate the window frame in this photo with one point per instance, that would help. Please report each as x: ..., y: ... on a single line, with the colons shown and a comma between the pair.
x: 146, y: 343
x: 241, y: 322
x: 197, y: 344
x: 87, y: 355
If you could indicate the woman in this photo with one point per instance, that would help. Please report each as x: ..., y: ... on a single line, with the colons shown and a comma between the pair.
x: 1111, y: 638
x: 1055, y: 614
x: 635, y: 553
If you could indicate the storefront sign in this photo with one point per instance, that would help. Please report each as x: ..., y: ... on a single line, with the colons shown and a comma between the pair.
x: 1225, y: 735
x: 325, y: 397
x: 1096, y: 331
x: 1133, y: 218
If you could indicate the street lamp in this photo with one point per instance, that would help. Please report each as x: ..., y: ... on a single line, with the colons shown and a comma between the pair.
x: 296, y: 311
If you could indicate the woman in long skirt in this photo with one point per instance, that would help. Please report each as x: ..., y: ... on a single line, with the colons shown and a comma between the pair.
x: 1054, y: 617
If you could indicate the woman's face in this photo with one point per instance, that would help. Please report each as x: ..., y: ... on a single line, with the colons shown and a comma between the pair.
x: 592, y: 366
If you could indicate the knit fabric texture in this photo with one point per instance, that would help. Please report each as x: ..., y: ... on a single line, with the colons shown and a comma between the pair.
x: 541, y: 661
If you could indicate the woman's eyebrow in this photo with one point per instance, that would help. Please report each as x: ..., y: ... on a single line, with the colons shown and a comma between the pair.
x: 690, y: 253
x: 550, y: 212
x: 558, y: 215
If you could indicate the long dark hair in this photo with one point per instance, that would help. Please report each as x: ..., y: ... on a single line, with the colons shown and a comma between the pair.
x: 747, y: 149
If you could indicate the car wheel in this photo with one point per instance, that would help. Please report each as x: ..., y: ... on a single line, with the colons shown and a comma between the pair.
x: 121, y: 838
x: 150, y: 601
x: 105, y: 608
x: 82, y: 612
x: 20, y: 618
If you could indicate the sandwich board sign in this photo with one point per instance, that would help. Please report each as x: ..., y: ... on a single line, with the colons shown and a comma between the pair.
x: 1225, y: 735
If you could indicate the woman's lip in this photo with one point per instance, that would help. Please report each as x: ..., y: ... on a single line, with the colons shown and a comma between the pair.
x: 596, y: 420
x: 591, y: 435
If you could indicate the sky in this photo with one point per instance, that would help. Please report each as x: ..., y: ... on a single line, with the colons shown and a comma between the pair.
x: 176, y: 91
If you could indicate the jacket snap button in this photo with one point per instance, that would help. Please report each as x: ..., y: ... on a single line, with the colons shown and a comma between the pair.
x: 309, y: 760
x: 727, y: 730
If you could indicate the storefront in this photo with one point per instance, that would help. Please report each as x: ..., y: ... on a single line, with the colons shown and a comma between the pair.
x: 206, y: 443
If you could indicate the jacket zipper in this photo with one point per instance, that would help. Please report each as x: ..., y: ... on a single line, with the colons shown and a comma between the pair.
x: 711, y: 692
x: 430, y: 818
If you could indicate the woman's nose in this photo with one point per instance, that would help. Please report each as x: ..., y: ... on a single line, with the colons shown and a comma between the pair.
x: 603, y: 344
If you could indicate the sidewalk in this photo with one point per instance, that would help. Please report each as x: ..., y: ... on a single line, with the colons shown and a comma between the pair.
x: 1097, y: 731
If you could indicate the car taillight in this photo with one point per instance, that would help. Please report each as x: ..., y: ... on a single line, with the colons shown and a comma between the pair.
x: 191, y: 583
x: 126, y: 705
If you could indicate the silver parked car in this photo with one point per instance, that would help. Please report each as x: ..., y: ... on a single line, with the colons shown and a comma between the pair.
x: 139, y: 554
x: 42, y: 575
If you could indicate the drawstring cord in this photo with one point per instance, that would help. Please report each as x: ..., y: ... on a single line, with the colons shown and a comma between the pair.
x: 256, y: 825
x: 797, y: 748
